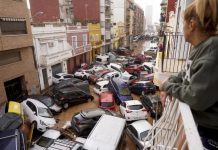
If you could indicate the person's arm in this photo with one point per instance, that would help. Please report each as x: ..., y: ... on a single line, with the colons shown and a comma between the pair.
x: 201, y: 92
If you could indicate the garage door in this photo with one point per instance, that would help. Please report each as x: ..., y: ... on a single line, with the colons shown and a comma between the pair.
x: 56, y: 69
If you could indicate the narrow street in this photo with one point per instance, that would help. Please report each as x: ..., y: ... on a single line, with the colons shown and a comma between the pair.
x: 67, y: 114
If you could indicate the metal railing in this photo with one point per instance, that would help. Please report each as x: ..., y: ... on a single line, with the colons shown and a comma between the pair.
x: 176, y: 52
x: 175, y: 130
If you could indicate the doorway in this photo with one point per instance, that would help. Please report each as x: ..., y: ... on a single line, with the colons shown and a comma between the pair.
x: 15, y: 89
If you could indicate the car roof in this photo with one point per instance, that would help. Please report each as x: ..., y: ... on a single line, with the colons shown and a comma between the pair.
x: 143, y: 82
x: 133, y: 102
x: 92, y: 112
x: 141, y: 125
x: 69, y: 89
x: 35, y: 102
x: 62, y: 73
x: 106, y: 97
x: 101, y: 83
x: 52, y: 134
x: 118, y: 81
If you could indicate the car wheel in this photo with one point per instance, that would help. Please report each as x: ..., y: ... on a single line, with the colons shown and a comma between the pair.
x: 66, y: 105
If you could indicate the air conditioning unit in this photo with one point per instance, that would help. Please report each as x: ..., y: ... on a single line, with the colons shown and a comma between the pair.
x: 50, y: 44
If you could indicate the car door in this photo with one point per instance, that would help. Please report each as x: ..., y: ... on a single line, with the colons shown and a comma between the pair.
x: 123, y: 108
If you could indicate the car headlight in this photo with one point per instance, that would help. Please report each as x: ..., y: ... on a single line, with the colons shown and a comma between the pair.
x: 42, y: 123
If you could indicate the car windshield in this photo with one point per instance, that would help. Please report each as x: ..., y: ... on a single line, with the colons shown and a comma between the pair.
x: 144, y: 134
x: 45, y: 142
x: 57, y: 76
x: 44, y: 112
x: 48, y: 101
x: 97, y: 86
x: 106, y: 104
x: 135, y: 107
x: 124, y: 91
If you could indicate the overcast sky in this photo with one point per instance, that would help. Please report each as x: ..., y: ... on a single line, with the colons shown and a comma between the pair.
x: 156, y: 7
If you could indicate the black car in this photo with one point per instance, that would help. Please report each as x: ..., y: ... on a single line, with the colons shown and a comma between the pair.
x: 74, y: 82
x: 71, y: 95
x: 142, y: 86
x: 84, y: 121
x: 49, y: 102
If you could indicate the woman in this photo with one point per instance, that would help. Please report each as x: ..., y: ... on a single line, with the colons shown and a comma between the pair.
x: 197, y: 86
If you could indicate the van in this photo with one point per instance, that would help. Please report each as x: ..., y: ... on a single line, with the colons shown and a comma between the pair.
x: 102, y: 59
x: 107, y: 134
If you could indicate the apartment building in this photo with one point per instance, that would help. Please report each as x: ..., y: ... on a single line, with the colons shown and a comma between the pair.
x: 51, y: 51
x: 96, y: 11
x: 17, y: 66
x: 51, y: 11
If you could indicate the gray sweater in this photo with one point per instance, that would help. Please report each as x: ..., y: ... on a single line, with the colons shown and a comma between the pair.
x: 197, y: 85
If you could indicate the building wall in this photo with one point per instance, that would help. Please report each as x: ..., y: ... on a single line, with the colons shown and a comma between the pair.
x: 171, y: 6
x: 118, y: 9
x: 80, y: 53
x: 17, y: 42
x: 50, y: 9
x: 86, y: 10
x: 51, y: 48
x: 95, y: 39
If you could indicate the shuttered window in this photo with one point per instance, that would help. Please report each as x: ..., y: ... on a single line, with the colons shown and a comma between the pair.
x: 9, y: 57
x: 11, y: 26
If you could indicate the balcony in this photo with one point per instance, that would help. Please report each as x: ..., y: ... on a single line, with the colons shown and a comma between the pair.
x: 47, y: 60
x: 172, y: 57
x: 175, y: 130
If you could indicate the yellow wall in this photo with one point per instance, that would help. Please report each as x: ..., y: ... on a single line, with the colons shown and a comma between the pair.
x: 94, y: 38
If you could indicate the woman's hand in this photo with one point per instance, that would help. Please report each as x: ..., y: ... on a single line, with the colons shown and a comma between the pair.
x: 163, y: 97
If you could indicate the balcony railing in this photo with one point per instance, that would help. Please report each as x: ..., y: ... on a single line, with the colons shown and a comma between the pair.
x: 175, y: 130
x: 176, y: 52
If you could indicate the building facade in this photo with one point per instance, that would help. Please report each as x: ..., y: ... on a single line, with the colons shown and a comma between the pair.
x: 17, y: 67
x: 138, y: 24
x: 95, y: 39
x: 96, y: 11
x: 51, y: 51
x: 51, y: 11
x: 78, y: 39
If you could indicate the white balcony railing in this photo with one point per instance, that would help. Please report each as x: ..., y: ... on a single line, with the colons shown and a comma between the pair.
x: 175, y: 130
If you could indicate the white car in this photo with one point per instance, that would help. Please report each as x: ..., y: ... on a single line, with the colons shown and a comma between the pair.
x: 97, y: 68
x: 101, y: 87
x: 61, y: 76
x: 124, y: 75
x: 138, y: 131
x: 82, y: 74
x: 102, y: 59
x: 107, y: 76
x: 122, y: 59
x: 38, y: 114
x: 133, y: 110
x: 50, y: 140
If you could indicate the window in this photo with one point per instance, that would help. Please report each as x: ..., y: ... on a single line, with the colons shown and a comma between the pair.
x: 84, y: 39
x: 74, y: 42
x: 10, y: 26
x: 31, y: 106
x: 9, y: 57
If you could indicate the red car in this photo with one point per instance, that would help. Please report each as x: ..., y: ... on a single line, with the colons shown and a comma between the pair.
x: 134, y: 69
x: 93, y: 78
x: 107, y: 101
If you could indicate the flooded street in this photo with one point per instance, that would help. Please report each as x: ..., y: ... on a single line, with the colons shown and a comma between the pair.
x: 67, y: 115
